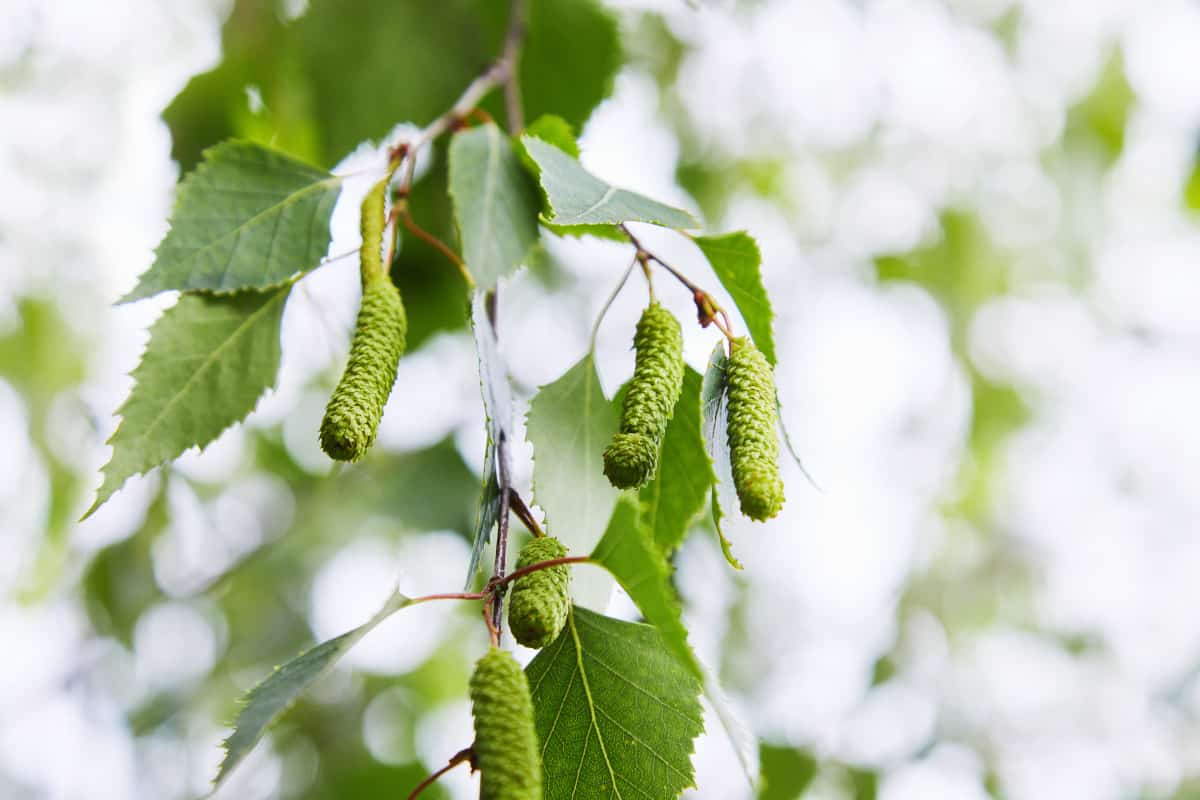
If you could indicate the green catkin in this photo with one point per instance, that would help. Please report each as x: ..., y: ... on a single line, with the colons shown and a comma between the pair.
x: 538, y: 604
x: 353, y: 414
x: 506, y: 743
x: 753, y: 431
x: 631, y: 459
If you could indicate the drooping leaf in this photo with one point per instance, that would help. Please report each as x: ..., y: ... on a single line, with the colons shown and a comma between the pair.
x: 736, y: 260
x: 497, y: 404
x: 247, y: 218
x: 569, y: 424
x: 673, y: 499
x: 209, y: 359
x: 495, y: 203
x: 631, y: 556
x: 267, y: 701
x: 712, y: 406
x: 579, y: 198
x: 616, y: 714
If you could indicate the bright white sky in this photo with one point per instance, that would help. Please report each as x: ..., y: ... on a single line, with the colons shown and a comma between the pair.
x: 887, y: 112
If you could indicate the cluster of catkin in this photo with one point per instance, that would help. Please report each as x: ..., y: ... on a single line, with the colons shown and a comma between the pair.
x: 631, y: 459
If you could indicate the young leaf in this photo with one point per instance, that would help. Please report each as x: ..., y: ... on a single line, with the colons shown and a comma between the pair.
x: 712, y: 404
x: 673, y: 499
x: 246, y: 218
x: 209, y: 359
x: 569, y: 425
x: 495, y: 204
x: 629, y: 554
x: 580, y: 198
x: 616, y: 714
x: 267, y: 701
x: 736, y: 260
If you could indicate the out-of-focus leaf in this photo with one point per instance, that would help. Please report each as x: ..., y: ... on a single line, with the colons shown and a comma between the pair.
x: 267, y: 701
x: 247, y: 218
x: 786, y: 772
x: 495, y: 203
x: 569, y: 424
x: 209, y: 359
x: 736, y: 260
x: 685, y: 475
x: 631, y: 556
x: 119, y: 582
x: 572, y: 52
x: 580, y: 198
x: 348, y: 70
x: 864, y: 783
x: 594, y: 689
x: 1099, y: 119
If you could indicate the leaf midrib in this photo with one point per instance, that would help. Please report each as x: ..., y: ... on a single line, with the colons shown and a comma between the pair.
x: 207, y: 364
x: 591, y: 703
x: 290, y: 199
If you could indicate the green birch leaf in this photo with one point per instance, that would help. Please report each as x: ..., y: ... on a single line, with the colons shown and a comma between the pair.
x: 630, y: 555
x: 247, y: 218
x: 579, y: 198
x: 736, y: 260
x: 569, y: 424
x: 712, y: 407
x: 495, y: 204
x: 685, y: 475
x: 209, y: 359
x: 268, y: 701
x: 616, y: 714
x: 555, y: 130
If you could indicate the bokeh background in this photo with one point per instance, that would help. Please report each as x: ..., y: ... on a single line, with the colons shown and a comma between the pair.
x: 978, y: 222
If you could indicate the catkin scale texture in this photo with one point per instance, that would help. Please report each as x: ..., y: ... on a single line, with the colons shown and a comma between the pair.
x: 506, y: 743
x: 631, y: 459
x: 539, y: 601
x: 753, y: 431
x: 356, y: 407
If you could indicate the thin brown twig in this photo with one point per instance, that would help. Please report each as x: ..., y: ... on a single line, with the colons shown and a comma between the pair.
x: 706, y: 305
x: 401, y: 211
x: 551, y: 562
x: 462, y: 755
x: 448, y: 596
x: 498, y: 565
x: 523, y: 513
x: 502, y: 71
x: 493, y: 626
x: 513, y: 109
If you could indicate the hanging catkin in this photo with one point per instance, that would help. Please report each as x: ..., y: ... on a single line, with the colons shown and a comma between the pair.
x: 631, y: 459
x: 356, y: 407
x: 506, y: 743
x: 753, y: 431
x: 538, y: 604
